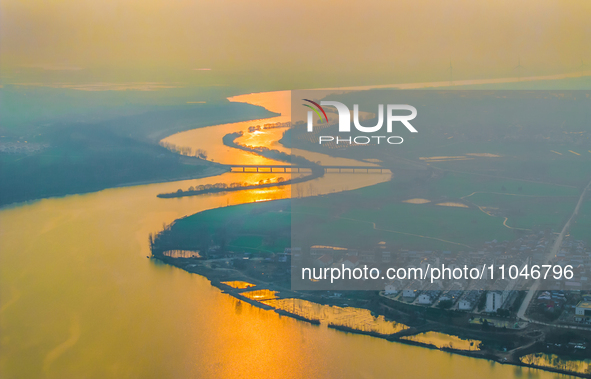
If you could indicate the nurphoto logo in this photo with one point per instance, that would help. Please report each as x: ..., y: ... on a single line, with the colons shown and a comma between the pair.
x: 344, y: 115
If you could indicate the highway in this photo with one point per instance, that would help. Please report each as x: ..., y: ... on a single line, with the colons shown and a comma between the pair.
x: 551, y: 254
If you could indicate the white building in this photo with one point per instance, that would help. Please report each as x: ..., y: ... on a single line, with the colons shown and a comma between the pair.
x: 465, y: 305
x: 424, y: 298
x: 409, y: 293
x: 494, y: 300
x: 390, y: 289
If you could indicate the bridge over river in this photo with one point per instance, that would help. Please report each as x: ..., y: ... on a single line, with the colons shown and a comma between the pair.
x: 297, y: 168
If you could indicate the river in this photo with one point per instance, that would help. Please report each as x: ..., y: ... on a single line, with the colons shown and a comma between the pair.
x: 79, y: 298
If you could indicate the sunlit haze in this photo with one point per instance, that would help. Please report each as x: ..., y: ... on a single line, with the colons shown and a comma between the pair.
x: 291, y: 44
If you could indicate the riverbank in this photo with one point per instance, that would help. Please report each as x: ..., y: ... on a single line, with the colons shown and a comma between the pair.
x: 213, y: 170
x: 209, y: 170
x: 219, y: 274
x: 112, y: 150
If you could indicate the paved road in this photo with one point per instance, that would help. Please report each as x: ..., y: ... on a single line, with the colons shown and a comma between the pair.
x: 551, y: 254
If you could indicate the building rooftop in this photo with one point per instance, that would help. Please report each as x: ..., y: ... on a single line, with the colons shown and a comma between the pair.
x: 584, y: 304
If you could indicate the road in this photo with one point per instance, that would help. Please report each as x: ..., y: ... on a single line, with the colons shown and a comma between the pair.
x: 552, y: 253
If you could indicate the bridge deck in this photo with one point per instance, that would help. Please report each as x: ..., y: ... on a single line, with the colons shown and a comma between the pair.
x: 297, y: 168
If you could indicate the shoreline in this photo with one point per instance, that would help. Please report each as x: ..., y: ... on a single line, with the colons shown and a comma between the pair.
x: 208, y: 172
x: 217, y: 277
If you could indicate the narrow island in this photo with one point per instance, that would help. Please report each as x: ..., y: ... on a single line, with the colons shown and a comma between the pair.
x: 229, y: 140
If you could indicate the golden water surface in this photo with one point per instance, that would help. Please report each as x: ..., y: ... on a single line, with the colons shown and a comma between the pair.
x: 80, y: 299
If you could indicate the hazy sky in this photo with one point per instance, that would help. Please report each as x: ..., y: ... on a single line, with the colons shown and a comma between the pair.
x: 287, y: 40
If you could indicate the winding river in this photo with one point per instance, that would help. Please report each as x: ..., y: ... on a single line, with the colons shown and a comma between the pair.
x: 79, y: 299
